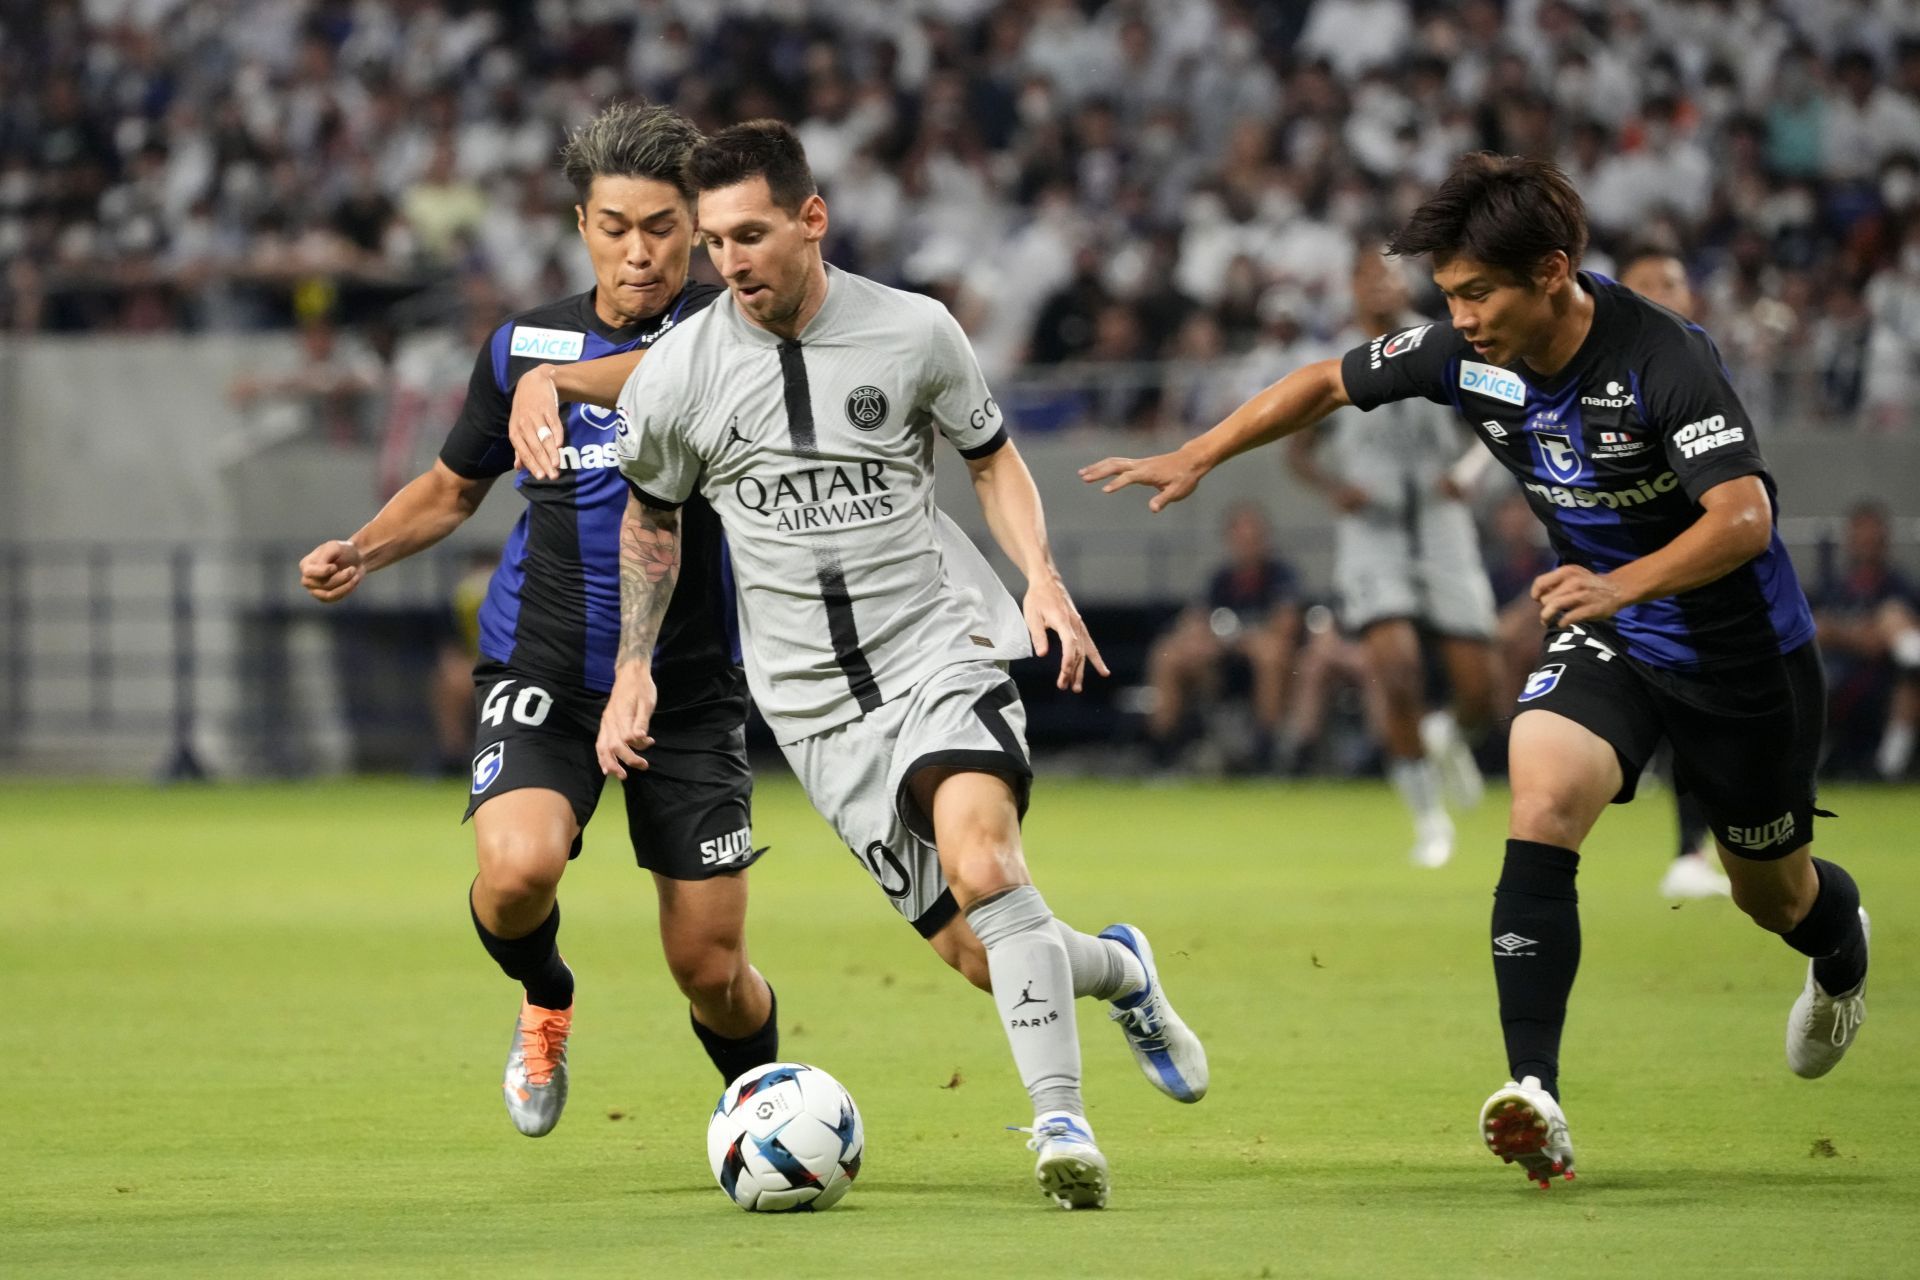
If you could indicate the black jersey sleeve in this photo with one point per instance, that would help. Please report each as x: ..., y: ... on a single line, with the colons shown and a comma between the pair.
x: 1401, y: 365
x: 478, y: 447
x: 1689, y: 404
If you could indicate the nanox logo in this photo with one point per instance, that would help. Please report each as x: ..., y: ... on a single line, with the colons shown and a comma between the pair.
x: 1617, y: 397
x: 1612, y: 499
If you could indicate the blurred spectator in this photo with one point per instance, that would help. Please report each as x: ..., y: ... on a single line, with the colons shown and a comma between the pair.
x: 1250, y: 618
x: 328, y: 395
x: 1869, y: 631
x: 180, y: 164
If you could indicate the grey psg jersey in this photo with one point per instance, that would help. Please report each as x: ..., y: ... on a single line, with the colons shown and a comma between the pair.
x: 817, y: 454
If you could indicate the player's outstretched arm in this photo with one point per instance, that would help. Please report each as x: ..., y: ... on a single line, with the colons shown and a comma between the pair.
x: 649, y: 566
x: 1735, y: 525
x: 534, y: 423
x: 1011, y: 502
x: 430, y: 506
x: 1292, y: 404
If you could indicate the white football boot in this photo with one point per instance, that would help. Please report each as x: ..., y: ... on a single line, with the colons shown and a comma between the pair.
x: 1523, y: 1123
x: 1432, y: 840
x: 1693, y: 875
x: 1169, y: 1055
x: 1821, y: 1027
x: 536, y: 1079
x: 1460, y: 776
x: 1071, y: 1171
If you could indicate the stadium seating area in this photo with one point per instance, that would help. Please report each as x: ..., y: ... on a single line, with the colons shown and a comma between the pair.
x: 1096, y: 181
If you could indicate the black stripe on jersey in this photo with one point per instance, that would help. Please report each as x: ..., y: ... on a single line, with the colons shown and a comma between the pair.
x: 833, y: 579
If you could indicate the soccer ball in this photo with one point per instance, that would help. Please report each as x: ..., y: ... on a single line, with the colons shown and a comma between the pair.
x: 785, y: 1137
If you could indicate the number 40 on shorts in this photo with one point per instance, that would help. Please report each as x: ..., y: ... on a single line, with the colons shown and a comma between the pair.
x: 530, y: 707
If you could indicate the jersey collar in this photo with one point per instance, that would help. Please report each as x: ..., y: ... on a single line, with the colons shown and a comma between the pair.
x: 653, y: 324
x: 1597, y: 337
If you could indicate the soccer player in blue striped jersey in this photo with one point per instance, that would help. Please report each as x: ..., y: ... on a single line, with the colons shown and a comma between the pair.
x: 1674, y: 611
x: 551, y: 622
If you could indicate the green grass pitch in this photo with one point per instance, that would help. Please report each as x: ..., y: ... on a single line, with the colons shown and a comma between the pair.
x: 250, y: 1033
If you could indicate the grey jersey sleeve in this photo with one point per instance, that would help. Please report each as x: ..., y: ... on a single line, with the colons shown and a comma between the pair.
x: 956, y: 395
x: 656, y: 459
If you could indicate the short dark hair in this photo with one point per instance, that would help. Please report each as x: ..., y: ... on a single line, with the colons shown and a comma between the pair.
x: 767, y: 149
x: 631, y: 140
x: 1506, y: 211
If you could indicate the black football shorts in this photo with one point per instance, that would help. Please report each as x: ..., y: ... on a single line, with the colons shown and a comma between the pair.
x: 689, y: 814
x: 1746, y: 738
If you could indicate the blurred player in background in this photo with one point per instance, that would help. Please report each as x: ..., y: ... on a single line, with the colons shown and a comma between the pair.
x: 1406, y: 560
x: 805, y: 406
x: 1869, y: 619
x: 550, y: 623
x: 1675, y: 611
x: 1251, y: 612
x: 1659, y: 275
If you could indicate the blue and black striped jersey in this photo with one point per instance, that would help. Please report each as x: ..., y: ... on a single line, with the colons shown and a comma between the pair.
x: 1613, y: 453
x: 553, y: 607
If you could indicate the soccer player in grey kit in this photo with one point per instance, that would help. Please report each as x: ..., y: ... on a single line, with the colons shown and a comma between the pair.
x: 804, y: 407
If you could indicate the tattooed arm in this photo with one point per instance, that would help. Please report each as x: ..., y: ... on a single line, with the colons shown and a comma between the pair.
x: 649, y: 567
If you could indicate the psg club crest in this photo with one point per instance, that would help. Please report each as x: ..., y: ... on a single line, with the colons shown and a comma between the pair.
x: 866, y: 407
x: 1557, y: 454
x: 486, y: 766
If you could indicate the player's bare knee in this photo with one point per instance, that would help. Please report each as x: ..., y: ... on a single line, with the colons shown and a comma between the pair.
x: 1548, y: 816
x: 708, y: 976
x: 1772, y: 902
x: 516, y: 866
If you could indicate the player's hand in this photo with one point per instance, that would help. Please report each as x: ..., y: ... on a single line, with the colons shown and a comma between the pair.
x: 1048, y: 607
x: 1571, y: 594
x: 331, y: 570
x: 533, y: 424
x: 1174, y: 475
x: 623, y: 725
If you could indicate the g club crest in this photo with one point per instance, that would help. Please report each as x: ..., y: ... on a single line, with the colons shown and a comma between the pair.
x: 486, y: 766
x: 1558, y: 456
x: 866, y: 407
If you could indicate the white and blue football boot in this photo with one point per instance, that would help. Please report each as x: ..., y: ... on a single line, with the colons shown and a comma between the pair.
x: 1071, y: 1171
x: 1169, y: 1054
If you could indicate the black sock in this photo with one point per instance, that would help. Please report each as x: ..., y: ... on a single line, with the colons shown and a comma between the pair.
x: 1831, y: 933
x: 1536, y: 952
x: 533, y: 961
x: 1693, y: 824
x: 735, y: 1058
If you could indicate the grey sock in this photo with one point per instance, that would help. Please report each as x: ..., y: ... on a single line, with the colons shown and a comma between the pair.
x: 1033, y: 987
x: 1102, y: 968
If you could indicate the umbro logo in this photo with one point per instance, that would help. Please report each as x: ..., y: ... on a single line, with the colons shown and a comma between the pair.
x: 1512, y: 944
x: 1494, y: 429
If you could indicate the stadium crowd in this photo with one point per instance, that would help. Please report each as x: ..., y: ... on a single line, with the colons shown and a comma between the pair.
x: 1084, y: 180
